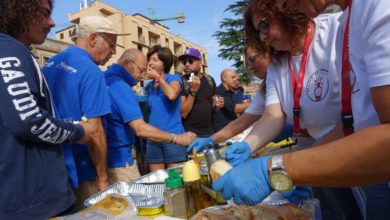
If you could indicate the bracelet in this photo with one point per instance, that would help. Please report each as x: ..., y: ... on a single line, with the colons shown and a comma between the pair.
x: 173, y: 140
x: 158, y: 78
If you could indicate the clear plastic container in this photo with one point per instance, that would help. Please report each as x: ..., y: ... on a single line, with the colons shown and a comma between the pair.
x: 175, y: 196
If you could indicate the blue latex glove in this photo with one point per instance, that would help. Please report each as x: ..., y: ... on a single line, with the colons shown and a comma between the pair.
x: 298, y: 194
x: 247, y: 183
x: 238, y: 153
x: 200, y: 144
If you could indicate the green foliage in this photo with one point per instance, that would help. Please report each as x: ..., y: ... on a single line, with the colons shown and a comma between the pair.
x: 231, y: 38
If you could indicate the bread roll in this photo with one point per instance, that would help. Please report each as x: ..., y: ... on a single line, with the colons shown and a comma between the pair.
x: 219, y: 168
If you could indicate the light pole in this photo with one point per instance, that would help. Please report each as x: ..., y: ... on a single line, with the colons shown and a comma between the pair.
x: 179, y: 17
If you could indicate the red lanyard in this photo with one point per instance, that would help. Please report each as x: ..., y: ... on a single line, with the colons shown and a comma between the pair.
x: 297, y: 85
x: 346, y: 108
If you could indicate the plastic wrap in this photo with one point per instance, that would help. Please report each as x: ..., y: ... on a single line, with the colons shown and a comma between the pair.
x: 114, y: 206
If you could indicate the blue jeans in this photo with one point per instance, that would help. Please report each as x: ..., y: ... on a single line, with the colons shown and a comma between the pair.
x: 165, y: 153
x: 377, y: 201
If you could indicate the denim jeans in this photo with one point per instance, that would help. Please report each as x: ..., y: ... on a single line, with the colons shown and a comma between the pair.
x: 377, y: 201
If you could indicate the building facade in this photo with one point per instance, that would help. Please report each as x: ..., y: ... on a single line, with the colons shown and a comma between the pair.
x: 48, y: 49
x: 144, y: 33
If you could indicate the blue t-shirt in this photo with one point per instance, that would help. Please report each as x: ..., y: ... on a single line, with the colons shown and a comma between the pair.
x: 78, y: 89
x: 124, y: 108
x: 164, y: 113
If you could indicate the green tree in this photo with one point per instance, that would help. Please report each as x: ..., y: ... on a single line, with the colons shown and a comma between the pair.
x: 231, y: 38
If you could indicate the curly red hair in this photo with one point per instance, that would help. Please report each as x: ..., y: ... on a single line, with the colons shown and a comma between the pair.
x: 293, y: 22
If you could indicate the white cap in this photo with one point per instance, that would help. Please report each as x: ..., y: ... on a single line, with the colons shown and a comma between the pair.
x: 98, y: 24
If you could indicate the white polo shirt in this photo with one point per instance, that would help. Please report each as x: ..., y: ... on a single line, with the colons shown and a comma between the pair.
x: 257, y: 105
x: 369, y: 56
x: 320, y: 99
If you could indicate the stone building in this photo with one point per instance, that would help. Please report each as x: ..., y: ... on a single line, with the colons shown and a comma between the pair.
x: 144, y: 33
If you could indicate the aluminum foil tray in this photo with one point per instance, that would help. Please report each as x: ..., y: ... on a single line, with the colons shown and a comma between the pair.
x: 147, y: 201
x: 146, y: 189
x: 121, y: 188
x: 157, y: 176
x: 139, y: 192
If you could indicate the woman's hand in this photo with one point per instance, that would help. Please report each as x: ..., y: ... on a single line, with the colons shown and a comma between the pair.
x: 151, y: 74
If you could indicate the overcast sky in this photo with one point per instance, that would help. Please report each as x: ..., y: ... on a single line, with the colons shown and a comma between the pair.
x: 201, y: 22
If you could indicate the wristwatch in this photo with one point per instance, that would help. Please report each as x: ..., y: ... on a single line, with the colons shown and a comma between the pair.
x: 278, y: 177
x: 193, y: 93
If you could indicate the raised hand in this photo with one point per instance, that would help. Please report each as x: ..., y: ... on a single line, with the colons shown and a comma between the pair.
x: 195, y: 84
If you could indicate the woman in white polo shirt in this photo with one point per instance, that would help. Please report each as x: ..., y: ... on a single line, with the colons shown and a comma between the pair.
x: 358, y: 159
x: 308, y: 63
x: 303, y: 88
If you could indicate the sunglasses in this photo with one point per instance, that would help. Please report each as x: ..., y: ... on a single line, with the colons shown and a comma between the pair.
x: 250, y: 60
x: 263, y: 26
x: 190, y: 61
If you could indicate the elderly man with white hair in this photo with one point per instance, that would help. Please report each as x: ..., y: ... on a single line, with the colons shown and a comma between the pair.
x: 79, y: 91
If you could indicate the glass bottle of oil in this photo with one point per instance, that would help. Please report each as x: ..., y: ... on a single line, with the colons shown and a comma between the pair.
x: 197, y: 198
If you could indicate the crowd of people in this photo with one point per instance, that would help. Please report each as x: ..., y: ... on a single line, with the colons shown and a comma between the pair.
x: 68, y: 130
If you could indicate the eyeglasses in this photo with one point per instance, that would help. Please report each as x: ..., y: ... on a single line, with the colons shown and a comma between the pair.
x: 263, y: 26
x: 142, y: 70
x: 190, y: 61
x: 109, y: 41
x: 250, y: 60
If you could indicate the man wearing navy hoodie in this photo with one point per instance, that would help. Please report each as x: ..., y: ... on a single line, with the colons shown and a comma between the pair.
x: 33, y: 176
x: 126, y: 119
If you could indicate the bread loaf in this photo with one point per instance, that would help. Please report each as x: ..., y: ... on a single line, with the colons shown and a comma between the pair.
x: 257, y: 212
x: 219, y: 168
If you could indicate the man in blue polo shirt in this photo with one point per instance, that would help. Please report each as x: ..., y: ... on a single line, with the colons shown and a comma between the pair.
x: 79, y: 90
x: 126, y: 118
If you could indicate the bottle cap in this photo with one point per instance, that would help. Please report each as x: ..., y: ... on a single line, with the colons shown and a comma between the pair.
x: 174, y: 180
x: 191, y: 171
